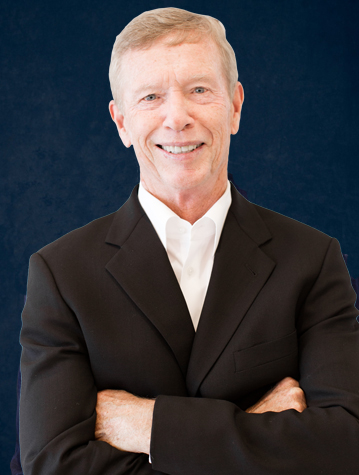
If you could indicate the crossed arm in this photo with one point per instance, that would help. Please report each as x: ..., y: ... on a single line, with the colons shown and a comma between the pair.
x: 189, y: 435
x: 125, y: 421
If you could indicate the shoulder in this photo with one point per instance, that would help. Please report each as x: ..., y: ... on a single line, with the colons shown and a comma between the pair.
x: 296, y: 244
x: 264, y: 225
x: 96, y: 235
x: 284, y: 239
x: 86, y: 235
x: 283, y: 227
x: 92, y: 245
x: 80, y: 247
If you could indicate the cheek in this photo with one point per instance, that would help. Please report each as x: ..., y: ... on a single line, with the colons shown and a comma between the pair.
x: 143, y: 125
x: 220, y: 122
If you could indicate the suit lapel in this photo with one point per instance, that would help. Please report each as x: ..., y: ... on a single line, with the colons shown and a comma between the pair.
x: 142, y: 268
x: 239, y: 272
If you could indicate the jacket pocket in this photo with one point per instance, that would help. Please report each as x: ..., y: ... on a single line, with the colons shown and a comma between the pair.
x: 266, y: 353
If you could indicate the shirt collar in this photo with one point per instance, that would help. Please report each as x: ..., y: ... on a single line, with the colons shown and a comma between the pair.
x: 218, y: 213
x: 158, y: 213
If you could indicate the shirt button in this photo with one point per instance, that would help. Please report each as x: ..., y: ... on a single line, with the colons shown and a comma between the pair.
x: 182, y: 230
x: 190, y: 271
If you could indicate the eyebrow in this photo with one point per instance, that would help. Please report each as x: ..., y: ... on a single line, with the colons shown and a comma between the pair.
x: 200, y: 77
x: 149, y: 87
x: 153, y: 87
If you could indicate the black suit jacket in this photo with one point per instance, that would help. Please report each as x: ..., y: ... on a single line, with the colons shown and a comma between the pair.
x: 104, y: 311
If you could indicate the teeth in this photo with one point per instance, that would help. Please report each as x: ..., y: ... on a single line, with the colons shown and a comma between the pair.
x: 176, y: 149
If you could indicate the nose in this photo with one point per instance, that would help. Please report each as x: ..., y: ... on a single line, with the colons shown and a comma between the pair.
x: 177, y: 113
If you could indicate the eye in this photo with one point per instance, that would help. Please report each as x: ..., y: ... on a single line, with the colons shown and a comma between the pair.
x: 150, y: 97
x: 200, y: 90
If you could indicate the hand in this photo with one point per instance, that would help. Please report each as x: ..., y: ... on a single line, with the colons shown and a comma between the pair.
x: 287, y: 394
x: 124, y: 420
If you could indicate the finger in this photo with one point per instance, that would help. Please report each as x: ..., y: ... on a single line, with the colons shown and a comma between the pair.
x: 99, y: 435
x: 287, y: 382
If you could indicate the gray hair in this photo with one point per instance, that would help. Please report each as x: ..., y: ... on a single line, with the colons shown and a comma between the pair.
x: 182, y: 26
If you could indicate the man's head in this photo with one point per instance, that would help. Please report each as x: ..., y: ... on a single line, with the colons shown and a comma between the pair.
x: 172, y: 26
x: 175, y: 106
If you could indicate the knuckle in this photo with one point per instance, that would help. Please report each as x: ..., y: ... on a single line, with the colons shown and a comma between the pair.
x: 296, y: 392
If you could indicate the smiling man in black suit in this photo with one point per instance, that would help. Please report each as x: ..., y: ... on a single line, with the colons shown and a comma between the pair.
x: 190, y: 332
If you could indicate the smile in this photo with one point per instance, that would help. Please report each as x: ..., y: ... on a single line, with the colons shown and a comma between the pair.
x: 175, y: 149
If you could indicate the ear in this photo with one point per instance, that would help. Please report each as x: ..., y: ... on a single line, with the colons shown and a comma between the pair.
x: 119, y: 120
x: 238, y: 98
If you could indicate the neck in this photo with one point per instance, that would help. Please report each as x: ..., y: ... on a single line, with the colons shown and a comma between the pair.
x: 190, y: 204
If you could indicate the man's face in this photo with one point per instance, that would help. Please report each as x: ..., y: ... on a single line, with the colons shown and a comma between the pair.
x: 178, y: 115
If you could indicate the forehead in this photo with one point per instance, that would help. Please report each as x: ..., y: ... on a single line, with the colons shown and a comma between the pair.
x: 185, y: 61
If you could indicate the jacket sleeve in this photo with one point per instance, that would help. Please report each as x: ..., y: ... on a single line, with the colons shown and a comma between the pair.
x: 198, y: 436
x: 58, y: 393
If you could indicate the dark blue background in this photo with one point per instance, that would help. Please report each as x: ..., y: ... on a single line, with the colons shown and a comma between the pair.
x: 62, y: 163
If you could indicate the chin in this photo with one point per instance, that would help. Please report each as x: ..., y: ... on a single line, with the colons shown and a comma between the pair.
x: 187, y: 181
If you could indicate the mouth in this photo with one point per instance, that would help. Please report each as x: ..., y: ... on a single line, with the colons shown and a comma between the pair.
x: 175, y: 149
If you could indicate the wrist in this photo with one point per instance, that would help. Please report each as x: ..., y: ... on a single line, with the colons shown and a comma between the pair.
x: 147, y: 417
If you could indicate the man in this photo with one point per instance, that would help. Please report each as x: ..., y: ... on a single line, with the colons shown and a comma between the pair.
x: 191, y: 332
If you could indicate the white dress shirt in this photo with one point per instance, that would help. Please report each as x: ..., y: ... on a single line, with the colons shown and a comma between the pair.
x: 190, y: 248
